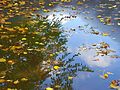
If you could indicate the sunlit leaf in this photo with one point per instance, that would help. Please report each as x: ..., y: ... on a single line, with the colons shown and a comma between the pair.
x: 2, y: 80
x: 16, y: 82
x: 11, y: 89
x: 24, y: 79
x: 24, y: 52
x: 114, y: 84
x: 105, y: 34
x: 49, y: 88
x: 56, y: 67
x: 70, y: 77
x: 11, y: 62
x: 24, y: 39
x: 2, y: 60
x: 79, y: 3
x: 104, y: 76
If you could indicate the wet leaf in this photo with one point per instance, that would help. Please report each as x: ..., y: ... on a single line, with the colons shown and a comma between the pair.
x: 12, y: 89
x: 105, y: 34
x: 56, y: 67
x: 22, y: 2
x: 99, y: 16
x: 79, y: 3
x: 24, y: 39
x: 2, y: 60
x: 57, y: 86
x: 114, y: 84
x: 2, y: 80
x: 104, y: 76
x: 16, y: 82
x: 24, y: 79
x: 46, y: 10
x: 24, y: 52
x: 70, y: 78
x: 49, y: 88
x: 11, y: 62
x: 73, y: 8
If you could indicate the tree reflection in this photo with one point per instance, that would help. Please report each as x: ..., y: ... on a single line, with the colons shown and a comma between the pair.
x: 29, y: 53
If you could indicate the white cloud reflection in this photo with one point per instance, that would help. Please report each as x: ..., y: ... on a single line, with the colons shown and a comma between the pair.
x: 79, y: 38
x: 89, y: 57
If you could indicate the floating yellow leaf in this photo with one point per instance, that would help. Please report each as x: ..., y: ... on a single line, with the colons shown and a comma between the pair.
x: 9, y: 80
x: 16, y: 4
x: 36, y: 42
x: 70, y: 77
x: 66, y: 0
x: 24, y: 52
x: 46, y: 10
x: 99, y: 16
x: 29, y: 49
x: 105, y: 34
x: 73, y: 8
x: 50, y: 4
x: 16, y: 82
x: 57, y: 86
x: 102, y: 20
x: 11, y: 89
x: 2, y: 80
x: 24, y: 79
x: 15, y: 47
x: 24, y: 39
x: 79, y: 3
x: 49, y: 88
x: 56, y: 67
x: 105, y: 76
x: 51, y: 55
x: 22, y: 2
x: 41, y: 43
x: 114, y: 84
x: 11, y: 62
x: 2, y: 60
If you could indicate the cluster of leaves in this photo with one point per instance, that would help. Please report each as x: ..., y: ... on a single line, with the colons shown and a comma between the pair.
x: 63, y: 74
x: 24, y: 47
x: 29, y: 47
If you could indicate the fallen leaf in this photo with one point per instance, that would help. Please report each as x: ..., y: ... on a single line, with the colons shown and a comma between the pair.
x: 24, y: 79
x: 11, y: 62
x: 24, y: 52
x: 16, y: 82
x: 2, y: 60
x: 114, y: 84
x: 2, y: 80
x: 104, y: 76
x: 56, y: 67
x: 70, y: 77
x: 24, y: 39
x: 105, y: 34
x: 49, y: 88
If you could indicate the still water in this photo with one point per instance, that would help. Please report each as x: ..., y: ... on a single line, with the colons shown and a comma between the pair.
x: 70, y: 45
x: 78, y: 35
